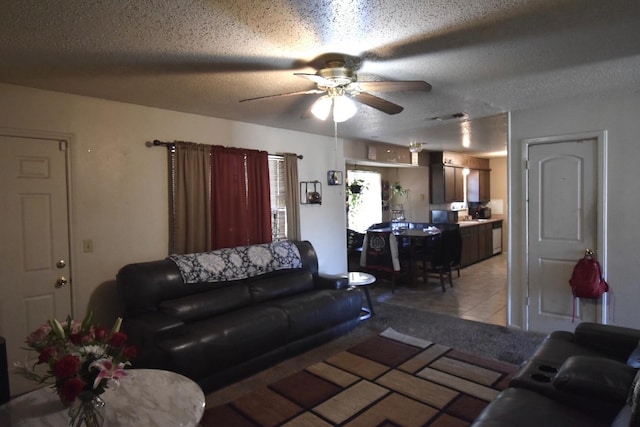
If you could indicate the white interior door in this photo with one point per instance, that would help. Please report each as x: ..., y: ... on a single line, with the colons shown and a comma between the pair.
x: 34, y: 231
x: 562, y: 222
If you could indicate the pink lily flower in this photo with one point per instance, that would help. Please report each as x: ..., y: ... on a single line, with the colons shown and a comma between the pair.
x: 108, y: 370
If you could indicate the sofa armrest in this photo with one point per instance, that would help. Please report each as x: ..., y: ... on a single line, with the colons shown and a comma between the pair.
x: 615, y: 340
x: 327, y: 281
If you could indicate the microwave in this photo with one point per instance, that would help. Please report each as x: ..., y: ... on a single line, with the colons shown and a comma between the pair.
x: 483, y: 213
x: 444, y: 217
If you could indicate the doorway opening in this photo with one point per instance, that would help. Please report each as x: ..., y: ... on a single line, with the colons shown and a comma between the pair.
x: 365, y: 207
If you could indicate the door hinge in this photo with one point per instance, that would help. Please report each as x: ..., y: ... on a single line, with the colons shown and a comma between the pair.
x: 526, y: 301
x: 63, y: 145
x: 526, y: 165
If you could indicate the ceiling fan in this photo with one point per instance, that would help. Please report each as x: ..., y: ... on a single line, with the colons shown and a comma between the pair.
x: 337, y: 82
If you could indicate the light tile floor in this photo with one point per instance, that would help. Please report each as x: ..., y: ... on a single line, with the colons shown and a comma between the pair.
x: 480, y: 293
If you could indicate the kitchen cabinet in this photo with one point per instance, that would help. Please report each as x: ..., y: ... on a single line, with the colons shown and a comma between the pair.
x: 447, y: 177
x: 478, y: 185
x: 477, y: 241
x: 469, y: 253
x: 447, y: 184
x: 485, y: 240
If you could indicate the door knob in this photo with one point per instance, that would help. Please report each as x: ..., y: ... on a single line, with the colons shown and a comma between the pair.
x: 61, y: 282
x: 61, y: 264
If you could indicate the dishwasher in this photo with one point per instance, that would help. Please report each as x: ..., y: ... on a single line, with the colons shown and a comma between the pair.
x: 497, y: 237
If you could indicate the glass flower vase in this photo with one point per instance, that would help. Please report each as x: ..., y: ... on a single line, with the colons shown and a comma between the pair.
x: 87, y: 411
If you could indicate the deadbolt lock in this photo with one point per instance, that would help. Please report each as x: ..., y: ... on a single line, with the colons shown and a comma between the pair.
x: 61, y: 264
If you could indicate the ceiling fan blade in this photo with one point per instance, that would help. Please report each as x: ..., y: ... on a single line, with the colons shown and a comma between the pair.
x: 304, y: 92
x: 316, y: 79
x: 377, y: 103
x: 389, y: 86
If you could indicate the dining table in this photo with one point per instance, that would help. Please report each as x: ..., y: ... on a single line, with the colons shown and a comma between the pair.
x: 416, y: 242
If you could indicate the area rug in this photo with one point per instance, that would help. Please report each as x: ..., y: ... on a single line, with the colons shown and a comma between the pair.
x: 388, y: 380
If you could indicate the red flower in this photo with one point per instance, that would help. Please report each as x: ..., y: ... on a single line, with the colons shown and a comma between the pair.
x: 101, y: 333
x: 76, y: 339
x: 130, y: 352
x: 46, y: 355
x: 118, y: 339
x: 67, y: 367
x: 71, y: 389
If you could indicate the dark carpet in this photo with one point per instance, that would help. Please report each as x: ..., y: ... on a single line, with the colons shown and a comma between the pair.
x: 497, y: 342
x: 391, y: 379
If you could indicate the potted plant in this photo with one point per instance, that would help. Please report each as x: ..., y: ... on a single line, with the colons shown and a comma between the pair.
x: 398, y: 190
x: 354, y: 190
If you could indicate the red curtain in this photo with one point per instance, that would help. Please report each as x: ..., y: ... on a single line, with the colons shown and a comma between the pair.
x: 240, y: 199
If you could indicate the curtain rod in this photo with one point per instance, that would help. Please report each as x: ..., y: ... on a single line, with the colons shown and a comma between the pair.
x: 172, y: 146
x: 157, y: 142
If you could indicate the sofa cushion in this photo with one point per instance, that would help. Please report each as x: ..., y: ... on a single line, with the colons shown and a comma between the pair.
x: 242, y: 334
x: 207, y: 304
x: 312, y: 312
x: 597, y: 377
x: 525, y: 408
x: 222, y: 341
x: 280, y: 284
x: 560, y: 345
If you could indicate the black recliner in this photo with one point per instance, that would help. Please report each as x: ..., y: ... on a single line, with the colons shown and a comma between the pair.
x: 4, y: 373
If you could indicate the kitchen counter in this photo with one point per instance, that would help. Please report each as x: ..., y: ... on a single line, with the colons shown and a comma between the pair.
x: 494, y: 218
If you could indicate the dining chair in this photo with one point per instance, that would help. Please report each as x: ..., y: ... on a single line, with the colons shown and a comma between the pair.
x: 355, y: 241
x: 380, y: 255
x: 444, y: 257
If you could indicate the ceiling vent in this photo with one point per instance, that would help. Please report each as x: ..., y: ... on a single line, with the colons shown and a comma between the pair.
x: 454, y: 116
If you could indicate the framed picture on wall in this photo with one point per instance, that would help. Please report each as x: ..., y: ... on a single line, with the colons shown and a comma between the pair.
x: 334, y: 178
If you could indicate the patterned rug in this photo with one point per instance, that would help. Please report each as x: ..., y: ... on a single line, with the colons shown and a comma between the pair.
x: 389, y: 380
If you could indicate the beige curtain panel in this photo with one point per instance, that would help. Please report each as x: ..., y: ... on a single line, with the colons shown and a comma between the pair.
x: 190, y: 216
x: 293, y: 196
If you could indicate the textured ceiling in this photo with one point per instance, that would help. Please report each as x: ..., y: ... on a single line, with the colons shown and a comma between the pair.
x: 482, y: 57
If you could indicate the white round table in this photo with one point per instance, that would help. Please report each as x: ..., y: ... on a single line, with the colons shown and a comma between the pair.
x: 145, y: 397
x: 357, y: 278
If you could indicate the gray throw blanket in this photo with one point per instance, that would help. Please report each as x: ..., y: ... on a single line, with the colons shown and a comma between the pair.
x: 237, y: 263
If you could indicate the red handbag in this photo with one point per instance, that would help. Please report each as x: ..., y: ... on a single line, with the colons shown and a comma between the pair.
x: 586, y: 280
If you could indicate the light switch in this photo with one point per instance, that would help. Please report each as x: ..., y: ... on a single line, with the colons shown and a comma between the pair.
x: 87, y: 245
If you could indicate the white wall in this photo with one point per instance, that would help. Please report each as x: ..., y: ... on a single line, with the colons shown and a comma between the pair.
x: 500, y: 194
x: 119, y: 186
x: 618, y: 115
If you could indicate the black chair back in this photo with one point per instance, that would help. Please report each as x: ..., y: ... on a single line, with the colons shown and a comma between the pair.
x: 4, y: 373
x: 448, y: 248
x: 453, y: 245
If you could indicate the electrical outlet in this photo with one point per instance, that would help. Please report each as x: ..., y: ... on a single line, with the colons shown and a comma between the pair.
x: 87, y: 245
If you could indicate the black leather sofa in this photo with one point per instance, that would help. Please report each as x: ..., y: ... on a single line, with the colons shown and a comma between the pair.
x: 586, y: 378
x: 216, y: 333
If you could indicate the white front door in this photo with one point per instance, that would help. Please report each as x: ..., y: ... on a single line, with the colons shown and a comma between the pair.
x: 563, y: 216
x: 34, y: 231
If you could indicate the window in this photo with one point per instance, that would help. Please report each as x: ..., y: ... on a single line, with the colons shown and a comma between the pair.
x: 367, y: 209
x: 278, y: 197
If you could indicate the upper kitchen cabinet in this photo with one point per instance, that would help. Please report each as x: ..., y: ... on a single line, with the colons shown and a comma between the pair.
x: 478, y: 185
x: 447, y: 177
x: 447, y: 184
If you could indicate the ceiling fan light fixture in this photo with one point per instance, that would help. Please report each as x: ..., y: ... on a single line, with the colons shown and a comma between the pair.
x: 322, y: 107
x: 415, y: 147
x: 343, y: 109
